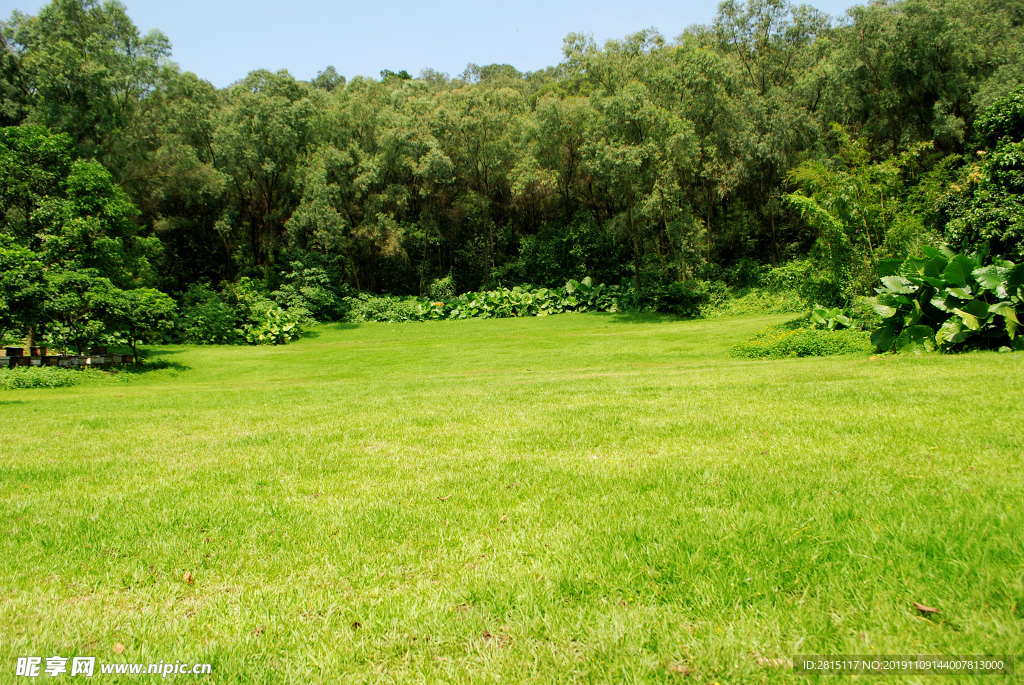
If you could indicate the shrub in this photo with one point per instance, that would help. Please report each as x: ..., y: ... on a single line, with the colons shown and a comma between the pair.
x: 831, y: 319
x: 263, y: 322
x: 579, y: 296
x: 690, y: 298
x: 807, y: 279
x: 37, y: 377
x: 441, y: 288
x: 948, y: 301
x: 798, y: 339
x: 758, y: 302
x: 309, y: 294
x: 385, y: 308
x: 206, y: 319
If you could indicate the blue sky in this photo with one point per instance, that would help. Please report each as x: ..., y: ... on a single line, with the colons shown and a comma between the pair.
x: 221, y: 40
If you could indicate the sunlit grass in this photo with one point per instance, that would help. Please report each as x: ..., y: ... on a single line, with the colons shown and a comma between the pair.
x: 575, y: 498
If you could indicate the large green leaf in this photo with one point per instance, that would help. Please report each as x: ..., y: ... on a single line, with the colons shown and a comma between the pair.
x: 1015, y: 277
x: 1000, y: 308
x: 914, y: 316
x: 935, y: 266
x: 944, y: 302
x: 883, y: 310
x: 913, y: 267
x: 990, y: 277
x: 976, y: 308
x: 1010, y: 316
x: 951, y: 332
x: 931, y: 252
x: 884, y: 337
x: 898, y: 284
x: 915, y: 339
x: 962, y: 293
x: 968, y: 319
x: 897, y: 301
x: 958, y: 271
x: 889, y: 267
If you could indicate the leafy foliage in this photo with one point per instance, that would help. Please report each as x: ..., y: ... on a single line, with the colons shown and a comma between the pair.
x: 987, y: 205
x: 772, y: 136
x: 262, y: 321
x: 310, y: 294
x: 205, y: 318
x: 949, y: 301
x: 575, y: 296
x: 798, y: 339
x: 831, y: 319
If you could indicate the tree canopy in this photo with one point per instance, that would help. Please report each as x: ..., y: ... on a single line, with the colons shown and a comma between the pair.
x: 774, y: 133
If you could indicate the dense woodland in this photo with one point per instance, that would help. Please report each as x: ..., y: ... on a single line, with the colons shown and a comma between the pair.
x: 776, y: 135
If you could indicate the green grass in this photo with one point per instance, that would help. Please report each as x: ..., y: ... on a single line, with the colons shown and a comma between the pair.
x: 586, y: 498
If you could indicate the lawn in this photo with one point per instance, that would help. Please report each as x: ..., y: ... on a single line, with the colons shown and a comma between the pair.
x: 578, y: 498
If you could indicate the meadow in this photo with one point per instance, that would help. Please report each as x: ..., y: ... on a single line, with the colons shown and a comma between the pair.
x: 576, y: 498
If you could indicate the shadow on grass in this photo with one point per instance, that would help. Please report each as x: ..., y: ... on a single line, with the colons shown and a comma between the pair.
x: 343, y: 326
x: 150, y: 365
x: 6, y: 402
x: 164, y: 351
x: 641, y: 317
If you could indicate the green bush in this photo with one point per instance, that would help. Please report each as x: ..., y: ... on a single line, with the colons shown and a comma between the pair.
x: 441, y: 288
x: 310, y: 294
x: 799, y: 339
x: 950, y: 302
x: 386, y: 308
x: 206, y: 319
x: 804, y: 277
x: 263, y: 322
x: 37, y: 377
x: 575, y: 296
x: 831, y: 319
x: 690, y: 298
x: 986, y: 205
x: 757, y: 301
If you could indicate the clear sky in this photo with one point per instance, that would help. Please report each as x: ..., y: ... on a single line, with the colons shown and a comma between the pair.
x: 222, y: 40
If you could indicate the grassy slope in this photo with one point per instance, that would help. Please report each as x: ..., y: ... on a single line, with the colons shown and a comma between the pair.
x: 622, y: 499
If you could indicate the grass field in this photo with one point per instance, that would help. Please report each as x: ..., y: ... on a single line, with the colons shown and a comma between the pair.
x: 586, y: 498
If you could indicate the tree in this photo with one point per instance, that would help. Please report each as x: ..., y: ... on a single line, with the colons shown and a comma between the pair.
x: 260, y: 137
x: 33, y: 165
x: 852, y: 202
x: 14, y: 95
x: 89, y: 68
x: 987, y: 206
x: 145, y: 315
x: 23, y: 287
x: 78, y: 308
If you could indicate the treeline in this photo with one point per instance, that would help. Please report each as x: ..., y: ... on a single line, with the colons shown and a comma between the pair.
x: 771, y: 135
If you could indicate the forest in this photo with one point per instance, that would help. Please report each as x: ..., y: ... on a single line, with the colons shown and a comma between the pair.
x: 775, y: 141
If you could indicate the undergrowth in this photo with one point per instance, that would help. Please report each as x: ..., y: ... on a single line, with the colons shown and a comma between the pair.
x: 799, y: 339
x: 37, y: 377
